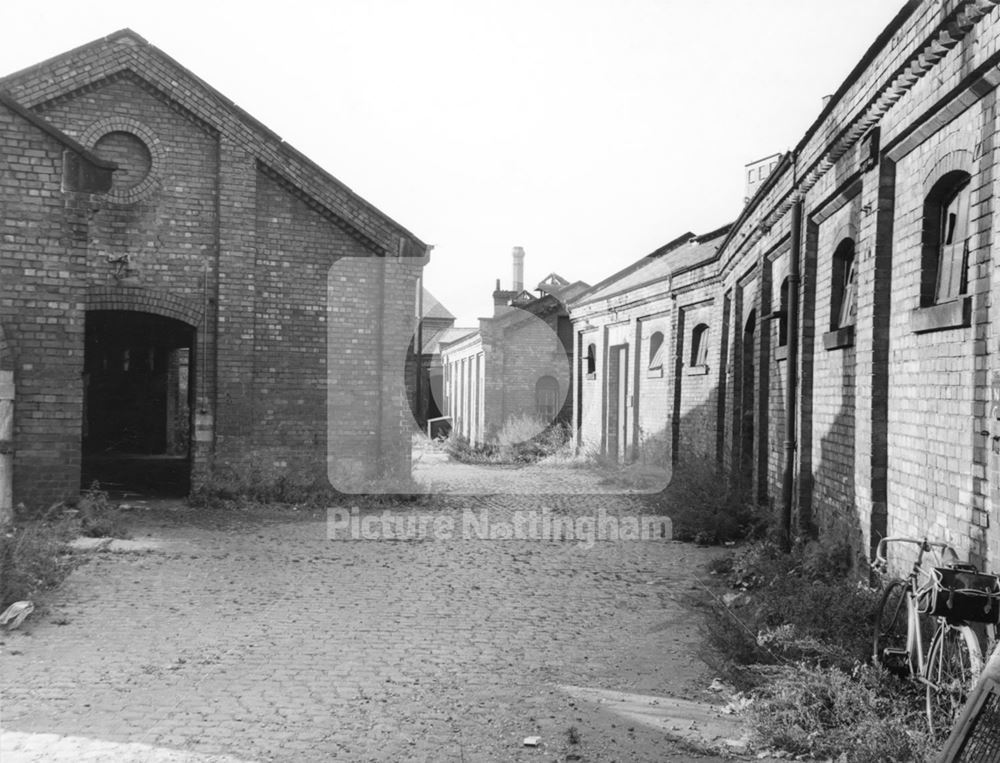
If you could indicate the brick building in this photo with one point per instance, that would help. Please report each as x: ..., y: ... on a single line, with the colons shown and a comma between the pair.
x: 638, y: 380
x: 216, y: 300
x: 854, y: 297
x: 437, y: 328
x: 517, y: 363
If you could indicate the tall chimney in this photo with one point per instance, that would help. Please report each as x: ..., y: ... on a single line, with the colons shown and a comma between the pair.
x: 518, y: 256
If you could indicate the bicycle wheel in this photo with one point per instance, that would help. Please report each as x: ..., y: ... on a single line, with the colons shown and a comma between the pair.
x: 889, y: 642
x: 953, y: 664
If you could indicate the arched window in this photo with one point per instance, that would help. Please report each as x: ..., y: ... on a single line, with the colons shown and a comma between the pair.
x: 699, y: 345
x: 946, y: 232
x: 656, y: 350
x: 546, y: 397
x: 591, y: 359
x: 844, y: 296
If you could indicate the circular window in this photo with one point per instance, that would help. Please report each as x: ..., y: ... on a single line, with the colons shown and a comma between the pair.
x: 131, y: 155
x: 137, y: 152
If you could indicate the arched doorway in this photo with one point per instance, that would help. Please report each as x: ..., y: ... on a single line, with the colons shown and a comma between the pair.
x: 748, y: 375
x: 138, y: 388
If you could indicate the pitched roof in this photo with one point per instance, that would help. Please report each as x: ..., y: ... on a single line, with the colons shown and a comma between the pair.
x: 432, y: 308
x: 125, y: 53
x: 432, y: 343
x: 53, y: 131
x: 684, y: 251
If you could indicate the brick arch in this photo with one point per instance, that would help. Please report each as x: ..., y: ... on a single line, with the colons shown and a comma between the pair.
x: 157, y: 154
x: 847, y: 229
x: 142, y: 300
x: 957, y: 159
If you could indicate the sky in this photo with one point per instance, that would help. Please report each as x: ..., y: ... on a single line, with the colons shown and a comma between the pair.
x: 588, y: 132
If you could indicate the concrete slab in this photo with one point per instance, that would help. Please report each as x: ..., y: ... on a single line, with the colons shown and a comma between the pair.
x: 699, y: 723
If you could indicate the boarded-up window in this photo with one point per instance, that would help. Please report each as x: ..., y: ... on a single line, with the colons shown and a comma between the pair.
x: 954, y: 247
x: 844, y: 296
x: 946, y: 239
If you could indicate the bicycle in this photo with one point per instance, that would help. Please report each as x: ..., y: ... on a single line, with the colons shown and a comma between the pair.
x: 940, y: 606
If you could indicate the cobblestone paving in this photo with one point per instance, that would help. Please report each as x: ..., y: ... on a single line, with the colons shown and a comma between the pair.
x: 257, y: 638
x: 433, y: 469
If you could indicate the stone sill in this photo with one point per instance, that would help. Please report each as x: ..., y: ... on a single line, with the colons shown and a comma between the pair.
x: 592, y: 376
x: 838, y: 338
x: 697, y: 371
x: 654, y: 373
x: 947, y: 315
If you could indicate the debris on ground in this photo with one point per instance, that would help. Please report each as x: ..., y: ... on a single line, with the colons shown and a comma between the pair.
x: 16, y: 614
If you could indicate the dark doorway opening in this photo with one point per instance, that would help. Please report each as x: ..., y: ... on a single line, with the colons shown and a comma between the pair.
x: 138, y: 393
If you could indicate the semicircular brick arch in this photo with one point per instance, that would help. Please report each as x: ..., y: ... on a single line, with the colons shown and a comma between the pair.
x: 142, y: 300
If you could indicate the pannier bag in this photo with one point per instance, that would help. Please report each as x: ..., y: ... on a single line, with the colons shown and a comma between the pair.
x: 961, y: 593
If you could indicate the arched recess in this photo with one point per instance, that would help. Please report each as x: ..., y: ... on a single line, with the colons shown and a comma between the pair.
x: 140, y: 380
x: 6, y: 431
x: 748, y: 396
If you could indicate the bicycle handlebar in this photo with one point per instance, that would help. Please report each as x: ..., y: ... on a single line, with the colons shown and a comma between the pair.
x: 880, y: 562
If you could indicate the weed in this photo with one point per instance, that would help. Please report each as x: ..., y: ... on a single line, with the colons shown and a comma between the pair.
x: 573, y: 735
x: 246, y: 485
x: 99, y: 517
x: 707, y: 504
x: 523, y: 439
x: 863, y: 715
x: 796, y: 636
x: 34, y: 557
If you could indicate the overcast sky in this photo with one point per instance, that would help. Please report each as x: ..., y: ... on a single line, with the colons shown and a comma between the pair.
x: 590, y: 132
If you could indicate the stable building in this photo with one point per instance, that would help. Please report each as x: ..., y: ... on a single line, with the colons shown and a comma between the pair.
x: 853, y: 373
x: 517, y: 364
x: 642, y: 358
x: 183, y: 295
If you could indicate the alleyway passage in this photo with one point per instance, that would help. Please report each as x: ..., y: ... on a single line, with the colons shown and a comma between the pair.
x: 253, y: 637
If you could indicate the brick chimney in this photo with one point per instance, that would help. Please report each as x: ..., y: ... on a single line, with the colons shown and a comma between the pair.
x: 518, y: 257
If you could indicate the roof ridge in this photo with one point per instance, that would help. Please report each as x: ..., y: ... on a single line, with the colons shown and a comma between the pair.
x: 262, y: 142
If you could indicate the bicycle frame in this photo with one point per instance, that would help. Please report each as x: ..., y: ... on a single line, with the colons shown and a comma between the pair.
x: 914, y: 644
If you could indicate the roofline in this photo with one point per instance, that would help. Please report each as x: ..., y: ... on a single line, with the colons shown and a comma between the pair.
x: 789, y: 156
x: 720, y: 231
x: 456, y: 340
x: 669, y: 246
x: 245, y: 116
x: 47, y: 127
x: 763, y: 158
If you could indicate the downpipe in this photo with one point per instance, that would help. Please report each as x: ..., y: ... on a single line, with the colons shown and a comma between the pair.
x: 792, y: 366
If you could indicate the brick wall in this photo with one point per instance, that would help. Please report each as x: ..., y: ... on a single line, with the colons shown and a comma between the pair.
x: 300, y: 294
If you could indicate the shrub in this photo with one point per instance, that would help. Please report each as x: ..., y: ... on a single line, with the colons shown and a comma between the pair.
x: 708, y: 504
x: 523, y: 439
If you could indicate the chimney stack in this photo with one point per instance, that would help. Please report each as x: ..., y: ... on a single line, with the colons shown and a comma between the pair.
x: 518, y: 256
